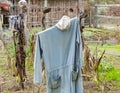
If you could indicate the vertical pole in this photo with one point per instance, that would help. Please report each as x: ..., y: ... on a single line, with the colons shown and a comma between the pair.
x: 90, y: 17
x: 96, y: 13
x: 0, y: 24
x: 46, y: 15
x: 81, y: 10
x: 0, y: 21
x: 28, y: 2
x: 96, y: 19
x: 45, y: 3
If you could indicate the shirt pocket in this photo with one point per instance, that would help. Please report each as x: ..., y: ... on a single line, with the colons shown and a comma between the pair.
x: 75, y: 74
x: 54, y: 81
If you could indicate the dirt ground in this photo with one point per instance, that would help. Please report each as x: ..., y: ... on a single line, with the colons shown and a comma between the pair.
x: 8, y: 83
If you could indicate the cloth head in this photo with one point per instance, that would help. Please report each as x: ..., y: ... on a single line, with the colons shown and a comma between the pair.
x: 64, y: 23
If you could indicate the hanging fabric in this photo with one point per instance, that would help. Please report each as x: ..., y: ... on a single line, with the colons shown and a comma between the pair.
x: 61, y: 51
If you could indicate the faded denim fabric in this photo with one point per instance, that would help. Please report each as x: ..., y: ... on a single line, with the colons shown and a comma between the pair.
x: 63, y: 59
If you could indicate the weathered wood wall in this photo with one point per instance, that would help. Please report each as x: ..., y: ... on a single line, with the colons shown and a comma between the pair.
x: 58, y: 9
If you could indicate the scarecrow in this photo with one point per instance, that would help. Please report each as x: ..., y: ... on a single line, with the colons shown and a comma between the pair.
x: 19, y: 38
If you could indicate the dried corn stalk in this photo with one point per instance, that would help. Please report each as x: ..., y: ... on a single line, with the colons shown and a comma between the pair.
x: 32, y: 47
x: 19, y: 43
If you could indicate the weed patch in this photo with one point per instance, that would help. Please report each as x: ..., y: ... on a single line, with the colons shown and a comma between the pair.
x: 117, y: 47
x: 109, y: 73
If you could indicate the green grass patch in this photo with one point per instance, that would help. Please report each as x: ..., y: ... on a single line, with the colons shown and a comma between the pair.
x: 117, y: 47
x: 118, y: 84
x: 2, y: 68
x: 107, y: 47
x: 109, y: 73
x: 106, y: 67
x: 109, y: 70
x: 93, y: 29
x: 113, y: 75
x: 94, y: 33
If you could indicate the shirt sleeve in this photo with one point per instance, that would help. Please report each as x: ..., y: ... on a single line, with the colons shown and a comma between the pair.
x: 79, y: 50
x: 37, y: 62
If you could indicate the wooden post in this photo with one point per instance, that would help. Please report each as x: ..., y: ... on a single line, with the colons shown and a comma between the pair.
x: 0, y: 21
x: 45, y: 3
x: 96, y: 13
x: 90, y: 17
x: 44, y: 15
x: 95, y: 17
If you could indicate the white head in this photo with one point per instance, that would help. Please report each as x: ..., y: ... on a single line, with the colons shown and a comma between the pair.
x: 64, y: 23
x: 22, y: 3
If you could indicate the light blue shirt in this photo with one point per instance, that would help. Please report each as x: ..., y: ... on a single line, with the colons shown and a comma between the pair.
x: 63, y: 59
